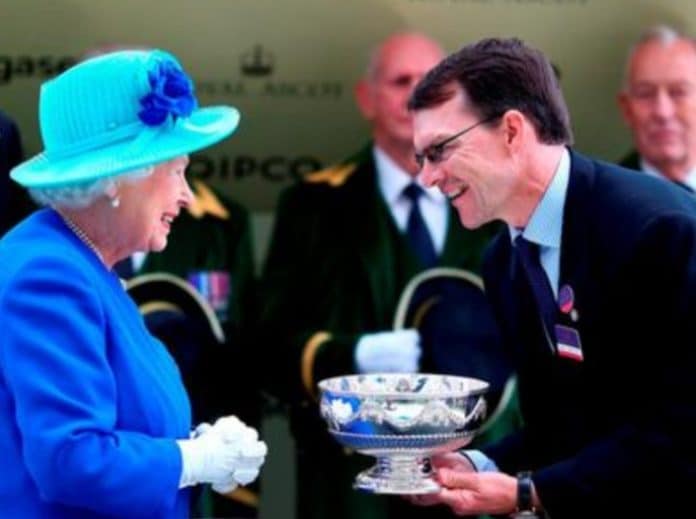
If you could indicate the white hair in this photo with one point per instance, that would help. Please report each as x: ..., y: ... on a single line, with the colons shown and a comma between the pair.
x: 78, y: 196
x: 663, y: 34
x: 374, y: 61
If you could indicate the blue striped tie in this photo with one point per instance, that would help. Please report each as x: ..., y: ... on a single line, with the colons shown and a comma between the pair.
x: 416, y: 230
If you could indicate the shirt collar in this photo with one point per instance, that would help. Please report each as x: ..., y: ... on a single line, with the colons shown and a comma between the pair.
x: 546, y: 223
x: 392, y: 179
x: 646, y: 167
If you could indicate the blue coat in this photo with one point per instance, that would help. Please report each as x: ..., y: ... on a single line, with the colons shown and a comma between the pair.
x: 90, y: 403
x: 612, y: 435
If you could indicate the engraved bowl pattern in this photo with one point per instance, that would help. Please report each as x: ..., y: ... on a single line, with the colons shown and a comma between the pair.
x: 402, y: 419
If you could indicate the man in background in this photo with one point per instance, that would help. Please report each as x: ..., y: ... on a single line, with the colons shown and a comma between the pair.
x: 15, y: 203
x: 658, y: 102
x: 346, y: 242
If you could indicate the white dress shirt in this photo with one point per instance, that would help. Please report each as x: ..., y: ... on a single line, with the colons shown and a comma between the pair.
x: 433, y: 205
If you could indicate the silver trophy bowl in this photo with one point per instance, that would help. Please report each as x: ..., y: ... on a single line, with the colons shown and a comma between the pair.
x: 402, y: 420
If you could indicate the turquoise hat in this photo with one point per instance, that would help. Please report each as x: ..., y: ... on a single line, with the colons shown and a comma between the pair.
x: 117, y: 113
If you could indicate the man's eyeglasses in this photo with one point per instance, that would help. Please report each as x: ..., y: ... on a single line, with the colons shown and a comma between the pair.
x: 433, y: 153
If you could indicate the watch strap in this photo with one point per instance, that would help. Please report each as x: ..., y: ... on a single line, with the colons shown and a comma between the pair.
x: 524, y: 492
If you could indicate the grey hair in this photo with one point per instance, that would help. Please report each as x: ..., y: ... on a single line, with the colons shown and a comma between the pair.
x: 663, y: 34
x: 79, y: 196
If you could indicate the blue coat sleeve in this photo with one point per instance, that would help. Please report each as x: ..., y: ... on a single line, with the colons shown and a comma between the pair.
x: 55, y: 361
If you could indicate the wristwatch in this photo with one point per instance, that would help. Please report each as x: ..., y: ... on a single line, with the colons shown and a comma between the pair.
x: 525, y: 505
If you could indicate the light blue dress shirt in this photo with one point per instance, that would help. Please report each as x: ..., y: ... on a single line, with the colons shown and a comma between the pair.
x: 544, y: 228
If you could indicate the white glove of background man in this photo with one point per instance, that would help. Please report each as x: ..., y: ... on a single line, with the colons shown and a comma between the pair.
x: 225, y: 454
x: 388, y: 352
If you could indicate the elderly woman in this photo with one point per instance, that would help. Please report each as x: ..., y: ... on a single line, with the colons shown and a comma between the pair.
x: 94, y: 419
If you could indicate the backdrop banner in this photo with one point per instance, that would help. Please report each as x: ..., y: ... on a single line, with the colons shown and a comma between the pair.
x: 290, y: 65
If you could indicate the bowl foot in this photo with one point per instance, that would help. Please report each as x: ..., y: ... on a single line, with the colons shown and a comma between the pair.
x: 404, y: 475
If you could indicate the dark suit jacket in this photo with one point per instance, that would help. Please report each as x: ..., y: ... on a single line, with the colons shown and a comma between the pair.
x: 333, y: 266
x: 632, y: 161
x: 614, y: 434
x: 15, y: 204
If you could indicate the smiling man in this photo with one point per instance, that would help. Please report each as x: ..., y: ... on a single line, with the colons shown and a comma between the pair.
x: 658, y: 103
x: 594, y: 285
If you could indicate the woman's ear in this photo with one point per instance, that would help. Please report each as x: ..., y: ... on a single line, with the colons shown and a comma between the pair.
x: 111, y: 193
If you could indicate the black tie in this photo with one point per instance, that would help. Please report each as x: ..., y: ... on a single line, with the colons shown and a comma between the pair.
x: 528, y: 255
x: 417, y: 231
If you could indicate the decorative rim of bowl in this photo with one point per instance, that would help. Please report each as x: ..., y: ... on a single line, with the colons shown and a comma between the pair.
x: 406, y: 437
x: 480, y: 389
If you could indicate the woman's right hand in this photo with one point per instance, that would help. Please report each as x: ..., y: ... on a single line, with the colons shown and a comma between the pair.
x: 224, y: 454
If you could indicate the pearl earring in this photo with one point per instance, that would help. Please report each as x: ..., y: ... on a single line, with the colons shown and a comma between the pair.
x: 115, y: 202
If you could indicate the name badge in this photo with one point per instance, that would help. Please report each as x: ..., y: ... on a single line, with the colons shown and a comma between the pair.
x: 568, y: 343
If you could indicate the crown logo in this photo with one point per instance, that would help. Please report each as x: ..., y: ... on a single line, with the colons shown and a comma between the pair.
x: 257, y: 62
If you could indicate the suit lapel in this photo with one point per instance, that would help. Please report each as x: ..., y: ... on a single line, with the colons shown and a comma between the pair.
x: 574, y: 261
x: 574, y: 267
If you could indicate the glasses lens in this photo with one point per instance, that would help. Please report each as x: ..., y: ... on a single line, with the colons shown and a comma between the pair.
x: 434, y: 154
x: 420, y: 160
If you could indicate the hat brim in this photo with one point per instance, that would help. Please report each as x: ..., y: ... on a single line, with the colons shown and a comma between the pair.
x: 203, y: 128
x: 160, y: 291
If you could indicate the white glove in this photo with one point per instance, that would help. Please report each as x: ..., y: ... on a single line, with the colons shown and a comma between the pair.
x: 252, y: 452
x: 229, y: 428
x: 224, y: 454
x: 385, y: 352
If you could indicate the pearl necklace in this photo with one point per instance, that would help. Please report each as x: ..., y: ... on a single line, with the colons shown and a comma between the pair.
x: 81, y: 235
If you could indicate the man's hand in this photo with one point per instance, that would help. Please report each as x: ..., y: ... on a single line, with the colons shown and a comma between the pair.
x: 449, y: 460
x: 468, y: 492
x: 472, y: 493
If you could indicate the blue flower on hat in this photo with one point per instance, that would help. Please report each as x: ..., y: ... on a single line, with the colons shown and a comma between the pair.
x: 171, y: 94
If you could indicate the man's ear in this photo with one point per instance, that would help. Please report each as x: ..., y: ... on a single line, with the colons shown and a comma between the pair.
x: 515, y: 127
x: 364, y: 99
x: 624, y: 103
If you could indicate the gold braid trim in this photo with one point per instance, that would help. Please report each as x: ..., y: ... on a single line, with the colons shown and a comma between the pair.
x: 158, y: 306
x: 422, y: 310
x: 335, y: 176
x: 205, y: 201
x: 308, y: 355
x: 244, y: 496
